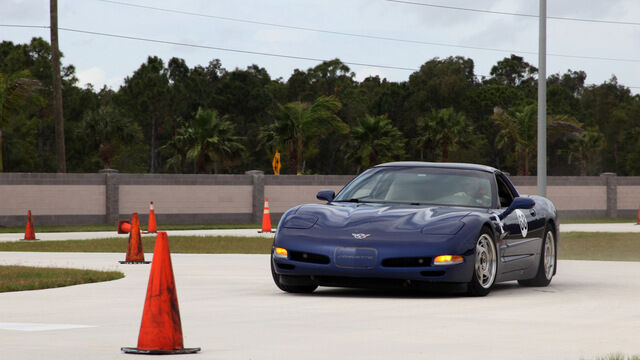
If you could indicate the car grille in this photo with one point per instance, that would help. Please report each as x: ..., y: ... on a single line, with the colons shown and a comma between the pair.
x: 308, y: 257
x: 285, y: 266
x: 407, y: 262
x: 432, y: 273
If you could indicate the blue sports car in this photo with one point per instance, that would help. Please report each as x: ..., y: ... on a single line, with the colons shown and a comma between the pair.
x: 416, y: 225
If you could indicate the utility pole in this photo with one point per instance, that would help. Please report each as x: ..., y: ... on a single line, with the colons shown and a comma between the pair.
x: 57, y: 87
x: 542, y: 100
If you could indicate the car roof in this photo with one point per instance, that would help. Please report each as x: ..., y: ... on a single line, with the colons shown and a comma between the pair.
x: 446, y: 165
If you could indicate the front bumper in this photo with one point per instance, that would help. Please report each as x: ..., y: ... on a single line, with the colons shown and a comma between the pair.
x: 401, y: 260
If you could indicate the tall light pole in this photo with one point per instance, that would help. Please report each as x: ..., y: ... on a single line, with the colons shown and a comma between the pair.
x: 542, y: 100
x: 57, y: 88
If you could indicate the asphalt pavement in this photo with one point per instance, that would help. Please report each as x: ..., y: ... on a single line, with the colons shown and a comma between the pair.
x: 231, y: 308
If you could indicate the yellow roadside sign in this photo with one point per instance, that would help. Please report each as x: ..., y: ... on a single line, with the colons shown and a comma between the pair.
x: 276, y: 163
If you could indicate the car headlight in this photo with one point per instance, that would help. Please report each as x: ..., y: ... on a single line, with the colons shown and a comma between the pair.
x: 443, y: 228
x: 300, y: 221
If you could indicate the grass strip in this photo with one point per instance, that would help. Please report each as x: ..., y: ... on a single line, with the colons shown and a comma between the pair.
x: 597, y: 220
x: 599, y: 246
x: 571, y: 246
x: 112, y: 227
x: 618, y: 356
x: 18, y: 278
x: 178, y: 244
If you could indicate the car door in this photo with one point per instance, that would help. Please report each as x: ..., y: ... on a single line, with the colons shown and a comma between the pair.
x: 520, y: 243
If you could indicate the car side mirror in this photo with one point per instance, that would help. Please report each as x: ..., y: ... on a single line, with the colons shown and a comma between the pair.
x: 326, y: 195
x: 518, y: 203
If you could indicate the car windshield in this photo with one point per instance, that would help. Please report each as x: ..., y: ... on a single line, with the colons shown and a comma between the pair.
x: 420, y: 186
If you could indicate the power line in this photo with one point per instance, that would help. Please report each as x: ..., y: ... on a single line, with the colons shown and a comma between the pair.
x: 210, y: 47
x: 291, y: 27
x: 461, y: 8
x: 514, y: 14
x: 25, y: 26
x: 232, y: 50
x: 376, y: 37
x: 237, y: 50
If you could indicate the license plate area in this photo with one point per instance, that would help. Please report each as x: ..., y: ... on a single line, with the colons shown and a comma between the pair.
x: 355, y: 257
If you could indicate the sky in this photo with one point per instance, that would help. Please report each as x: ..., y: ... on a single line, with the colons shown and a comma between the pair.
x: 105, y: 60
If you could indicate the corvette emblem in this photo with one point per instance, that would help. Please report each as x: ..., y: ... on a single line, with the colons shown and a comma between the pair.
x: 360, y: 236
x: 522, y: 220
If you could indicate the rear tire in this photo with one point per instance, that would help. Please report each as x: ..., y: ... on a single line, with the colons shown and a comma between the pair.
x: 306, y: 289
x: 547, y: 263
x: 485, y: 268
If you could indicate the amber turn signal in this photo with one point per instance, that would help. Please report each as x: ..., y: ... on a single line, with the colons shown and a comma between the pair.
x: 280, y: 253
x: 448, y: 260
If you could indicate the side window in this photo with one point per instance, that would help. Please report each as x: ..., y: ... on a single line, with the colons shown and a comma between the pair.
x: 504, y: 193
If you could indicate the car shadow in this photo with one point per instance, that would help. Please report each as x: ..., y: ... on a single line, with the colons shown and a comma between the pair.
x: 435, y: 293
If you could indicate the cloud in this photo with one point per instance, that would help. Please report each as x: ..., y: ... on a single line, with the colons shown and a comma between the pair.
x: 94, y: 76
x: 98, y: 78
x: 280, y: 36
x: 22, y: 11
x: 364, y: 72
x: 106, y: 61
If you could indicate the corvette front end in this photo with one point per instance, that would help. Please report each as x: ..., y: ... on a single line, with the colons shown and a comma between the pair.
x: 357, y: 255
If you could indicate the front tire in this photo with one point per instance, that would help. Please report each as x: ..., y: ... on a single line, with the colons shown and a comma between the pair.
x: 302, y: 289
x: 547, y: 263
x: 486, y: 265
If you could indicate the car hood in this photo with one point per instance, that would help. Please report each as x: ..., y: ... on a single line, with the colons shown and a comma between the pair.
x: 372, y: 217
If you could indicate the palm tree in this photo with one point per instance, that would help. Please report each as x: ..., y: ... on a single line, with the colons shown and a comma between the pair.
x: 591, y: 141
x: 15, y: 91
x: 208, y: 141
x: 444, y: 129
x: 176, y: 148
x: 107, y: 124
x: 374, y: 140
x: 298, y: 124
x: 520, y: 130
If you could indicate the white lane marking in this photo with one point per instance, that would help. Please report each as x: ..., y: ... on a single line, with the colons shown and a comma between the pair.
x: 39, y: 327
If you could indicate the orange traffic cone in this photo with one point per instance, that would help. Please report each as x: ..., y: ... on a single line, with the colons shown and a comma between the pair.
x: 638, y: 222
x: 135, y: 255
x: 151, y: 226
x: 161, y: 329
x: 266, y: 218
x: 29, y: 232
x: 124, y: 226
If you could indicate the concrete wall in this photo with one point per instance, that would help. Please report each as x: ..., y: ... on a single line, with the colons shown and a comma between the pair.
x: 287, y: 191
x: 106, y: 197
x: 55, y: 198
x: 575, y: 196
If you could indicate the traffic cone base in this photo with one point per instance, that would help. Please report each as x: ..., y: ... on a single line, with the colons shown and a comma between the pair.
x: 161, y: 328
x: 130, y: 350
x: 266, y: 219
x: 134, y: 262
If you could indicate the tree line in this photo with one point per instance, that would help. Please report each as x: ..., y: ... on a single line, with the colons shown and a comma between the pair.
x: 173, y: 118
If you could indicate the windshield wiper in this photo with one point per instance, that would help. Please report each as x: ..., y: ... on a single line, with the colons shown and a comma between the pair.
x: 362, y: 200
x: 354, y: 200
